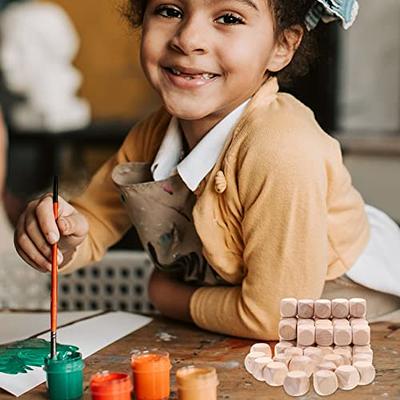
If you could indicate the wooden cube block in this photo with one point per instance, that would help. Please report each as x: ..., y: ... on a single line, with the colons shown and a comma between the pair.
x: 322, y: 308
x: 275, y: 373
x: 294, y: 351
x: 305, y: 308
x: 283, y: 358
x: 340, y: 308
x: 305, y: 335
x: 345, y: 353
x: 348, y: 377
x: 324, y: 334
x: 281, y: 346
x: 258, y: 367
x: 302, y: 363
x: 326, y: 349
x: 325, y: 382
x: 364, y: 357
x: 287, y: 328
x: 305, y: 321
x: 263, y: 348
x: 335, y: 358
x: 296, y: 383
x: 366, y: 371
x: 362, y: 349
x: 314, y: 353
x: 356, y: 321
x: 249, y: 360
x: 342, y: 334
x: 361, y: 334
x: 288, y: 307
x: 358, y: 307
x: 327, y: 365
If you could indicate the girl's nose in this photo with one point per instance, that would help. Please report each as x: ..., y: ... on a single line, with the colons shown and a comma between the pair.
x: 190, y: 37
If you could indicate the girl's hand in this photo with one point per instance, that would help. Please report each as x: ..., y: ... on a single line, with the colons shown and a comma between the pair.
x: 37, y: 230
x: 170, y: 297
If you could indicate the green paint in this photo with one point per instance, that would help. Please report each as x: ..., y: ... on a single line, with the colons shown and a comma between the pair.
x: 19, y: 357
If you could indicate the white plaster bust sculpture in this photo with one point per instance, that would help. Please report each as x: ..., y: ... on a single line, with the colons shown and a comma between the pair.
x: 38, y: 44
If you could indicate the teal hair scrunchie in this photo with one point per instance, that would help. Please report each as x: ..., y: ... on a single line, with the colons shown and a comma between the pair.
x: 330, y: 10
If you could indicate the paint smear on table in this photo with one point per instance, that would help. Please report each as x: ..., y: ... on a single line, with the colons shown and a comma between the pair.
x: 21, y: 356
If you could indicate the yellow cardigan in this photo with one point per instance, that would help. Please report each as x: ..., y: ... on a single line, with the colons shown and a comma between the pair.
x: 288, y: 220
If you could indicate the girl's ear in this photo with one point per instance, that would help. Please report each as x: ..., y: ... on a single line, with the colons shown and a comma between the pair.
x: 285, y: 47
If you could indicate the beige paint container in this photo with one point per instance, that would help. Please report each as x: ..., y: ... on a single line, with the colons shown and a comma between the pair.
x: 197, y: 383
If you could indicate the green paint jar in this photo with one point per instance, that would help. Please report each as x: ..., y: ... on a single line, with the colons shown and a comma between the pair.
x: 65, y: 377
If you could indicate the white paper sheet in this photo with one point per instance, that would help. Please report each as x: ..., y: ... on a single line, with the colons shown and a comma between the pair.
x: 90, y: 336
x: 18, y: 326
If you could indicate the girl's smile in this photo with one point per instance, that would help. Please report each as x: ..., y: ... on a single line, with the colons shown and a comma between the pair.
x: 205, y: 57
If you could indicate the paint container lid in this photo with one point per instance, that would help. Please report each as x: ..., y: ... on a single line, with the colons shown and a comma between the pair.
x: 110, y: 383
x: 196, y: 377
x: 70, y: 362
x: 149, y: 361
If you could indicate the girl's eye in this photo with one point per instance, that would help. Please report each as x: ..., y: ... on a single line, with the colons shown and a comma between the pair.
x: 168, y: 12
x: 230, y: 19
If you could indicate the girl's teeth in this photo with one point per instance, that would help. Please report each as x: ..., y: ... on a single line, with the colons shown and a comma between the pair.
x: 205, y: 76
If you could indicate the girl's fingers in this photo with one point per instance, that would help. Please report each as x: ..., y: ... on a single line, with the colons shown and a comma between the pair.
x: 35, y: 235
x: 73, y: 228
x: 45, y: 219
x: 24, y: 246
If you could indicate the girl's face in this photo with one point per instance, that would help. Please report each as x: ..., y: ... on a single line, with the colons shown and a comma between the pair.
x: 205, y: 57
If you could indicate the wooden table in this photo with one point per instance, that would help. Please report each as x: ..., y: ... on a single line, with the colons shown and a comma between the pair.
x: 190, y: 345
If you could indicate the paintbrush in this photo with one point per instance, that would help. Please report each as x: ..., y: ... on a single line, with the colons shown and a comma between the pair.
x: 54, y: 278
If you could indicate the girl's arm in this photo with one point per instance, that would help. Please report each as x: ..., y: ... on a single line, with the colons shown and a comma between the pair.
x: 170, y: 297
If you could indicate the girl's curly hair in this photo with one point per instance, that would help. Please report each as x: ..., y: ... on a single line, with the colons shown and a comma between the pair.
x: 286, y: 13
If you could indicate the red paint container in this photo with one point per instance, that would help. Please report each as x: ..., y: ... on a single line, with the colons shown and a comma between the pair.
x: 151, y: 374
x: 110, y: 386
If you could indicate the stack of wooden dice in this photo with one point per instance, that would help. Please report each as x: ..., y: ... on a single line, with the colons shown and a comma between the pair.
x: 326, y: 339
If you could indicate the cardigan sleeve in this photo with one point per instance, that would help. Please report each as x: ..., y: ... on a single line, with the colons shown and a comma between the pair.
x: 285, y: 237
x: 100, y: 203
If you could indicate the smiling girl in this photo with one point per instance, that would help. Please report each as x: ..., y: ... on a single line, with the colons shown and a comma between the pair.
x: 237, y: 194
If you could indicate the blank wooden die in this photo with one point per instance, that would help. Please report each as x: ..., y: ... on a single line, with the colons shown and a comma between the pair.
x: 345, y: 353
x: 314, y: 353
x: 305, y: 308
x: 361, y: 334
x: 342, y: 334
x: 288, y: 307
x: 348, y: 377
x: 358, y: 307
x: 294, y: 351
x: 366, y: 371
x: 283, y: 358
x: 302, y: 363
x: 275, y: 373
x: 305, y: 321
x: 305, y: 334
x: 296, y: 383
x: 327, y: 365
x: 326, y: 350
x: 258, y: 366
x: 364, y: 357
x: 362, y: 349
x: 324, y: 334
x: 287, y: 328
x: 281, y: 346
x: 250, y: 358
x: 322, y: 308
x: 325, y: 382
x: 337, y: 359
x: 340, y: 308
x: 357, y: 321
x: 263, y: 348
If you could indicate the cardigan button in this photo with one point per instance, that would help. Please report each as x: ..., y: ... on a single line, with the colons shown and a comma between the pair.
x: 220, y: 182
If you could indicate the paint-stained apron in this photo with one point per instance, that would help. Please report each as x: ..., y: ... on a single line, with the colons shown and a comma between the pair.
x: 161, y: 212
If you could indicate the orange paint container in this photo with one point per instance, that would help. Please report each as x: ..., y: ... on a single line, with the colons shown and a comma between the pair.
x: 196, y: 383
x: 110, y: 386
x: 151, y: 374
